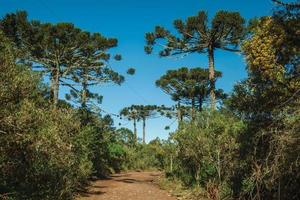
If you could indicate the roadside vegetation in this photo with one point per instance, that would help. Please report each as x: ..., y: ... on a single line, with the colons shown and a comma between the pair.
x: 242, y: 145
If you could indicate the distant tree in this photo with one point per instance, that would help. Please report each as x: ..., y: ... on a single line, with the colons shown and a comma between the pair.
x: 130, y: 113
x: 143, y: 112
x: 196, y: 36
x: 150, y: 111
x: 188, y: 87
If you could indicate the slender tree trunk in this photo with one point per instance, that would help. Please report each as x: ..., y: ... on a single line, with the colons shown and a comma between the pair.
x: 84, y: 88
x: 83, y: 103
x: 200, y: 103
x: 134, y: 129
x: 197, y: 175
x: 212, y: 77
x: 171, y: 163
x: 54, y: 86
x: 179, y: 114
x: 178, y: 111
x: 279, y: 196
x: 193, y: 109
x: 84, y: 95
x: 144, y: 130
x: 219, y: 166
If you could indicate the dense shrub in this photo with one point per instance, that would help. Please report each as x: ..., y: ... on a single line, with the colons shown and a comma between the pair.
x: 45, y: 153
x: 40, y: 157
x: 206, y: 150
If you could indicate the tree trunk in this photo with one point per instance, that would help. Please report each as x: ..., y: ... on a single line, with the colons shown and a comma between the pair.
x: 279, y: 196
x: 134, y: 129
x: 171, y: 163
x: 84, y: 87
x: 83, y: 100
x: 193, y: 109
x: 144, y: 130
x: 197, y: 175
x: 179, y: 114
x: 212, y: 77
x: 200, y: 103
x: 219, y: 166
x: 54, y: 86
x: 84, y: 95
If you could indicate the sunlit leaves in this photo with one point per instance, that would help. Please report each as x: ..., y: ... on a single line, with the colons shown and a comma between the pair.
x: 195, y: 35
x: 187, y: 85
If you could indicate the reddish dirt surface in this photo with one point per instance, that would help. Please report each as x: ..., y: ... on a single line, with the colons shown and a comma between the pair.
x: 126, y: 186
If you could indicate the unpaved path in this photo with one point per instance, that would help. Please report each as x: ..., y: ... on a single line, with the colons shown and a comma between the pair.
x: 126, y: 186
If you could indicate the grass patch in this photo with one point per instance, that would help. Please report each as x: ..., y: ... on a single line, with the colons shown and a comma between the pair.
x: 177, y: 189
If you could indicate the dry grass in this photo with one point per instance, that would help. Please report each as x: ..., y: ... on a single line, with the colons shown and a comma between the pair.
x: 178, y: 190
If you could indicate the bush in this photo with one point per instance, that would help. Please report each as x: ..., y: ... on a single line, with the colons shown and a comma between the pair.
x: 206, y: 151
x: 40, y: 157
x: 146, y: 156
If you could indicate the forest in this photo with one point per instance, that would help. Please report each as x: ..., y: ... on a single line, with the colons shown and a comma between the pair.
x: 239, y: 145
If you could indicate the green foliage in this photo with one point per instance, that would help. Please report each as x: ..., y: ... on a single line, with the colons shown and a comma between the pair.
x: 130, y: 113
x: 47, y: 153
x: 256, y: 158
x: 130, y: 71
x: 117, y: 157
x: 206, y: 149
x: 126, y: 137
x: 248, y: 149
x: 195, y: 35
x: 63, y: 52
x: 268, y: 167
x: 38, y: 155
x: 146, y: 156
x: 142, y: 113
x: 189, y: 87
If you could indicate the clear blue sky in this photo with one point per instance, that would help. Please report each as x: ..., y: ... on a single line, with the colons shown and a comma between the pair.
x: 128, y: 21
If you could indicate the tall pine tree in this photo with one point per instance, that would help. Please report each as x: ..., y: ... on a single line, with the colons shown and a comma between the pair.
x: 195, y: 35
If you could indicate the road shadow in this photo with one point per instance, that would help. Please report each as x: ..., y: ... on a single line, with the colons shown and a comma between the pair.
x: 90, y: 193
x: 97, y: 189
x: 91, y: 190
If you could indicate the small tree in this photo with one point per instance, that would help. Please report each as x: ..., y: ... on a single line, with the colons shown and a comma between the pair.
x: 126, y: 137
x: 130, y: 113
x: 207, y: 148
x: 196, y: 36
x: 150, y: 111
x: 143, y: 112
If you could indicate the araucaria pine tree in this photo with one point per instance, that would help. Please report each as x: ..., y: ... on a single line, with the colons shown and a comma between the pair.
x: 63, y: 52
x: 130, y: 113
x: 188, y: 87
x: 195, y: 35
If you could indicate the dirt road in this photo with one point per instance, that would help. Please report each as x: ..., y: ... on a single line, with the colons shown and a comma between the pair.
x: 126, y: 186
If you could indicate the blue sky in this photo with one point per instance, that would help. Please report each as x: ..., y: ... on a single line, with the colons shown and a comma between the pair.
x: 128, y: 21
